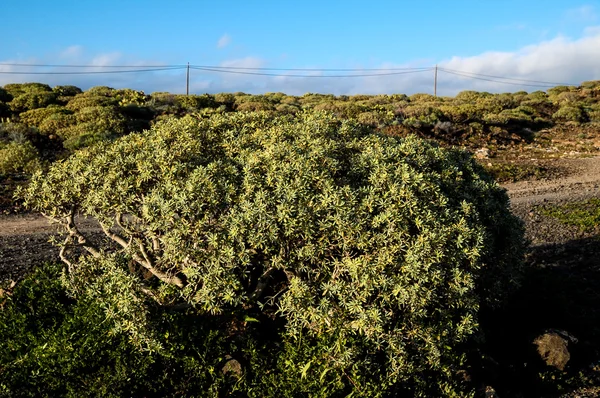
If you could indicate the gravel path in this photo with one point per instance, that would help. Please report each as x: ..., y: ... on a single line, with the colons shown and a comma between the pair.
x: 581, y: 180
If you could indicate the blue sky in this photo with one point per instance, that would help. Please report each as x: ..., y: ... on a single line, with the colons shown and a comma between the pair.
x: 551, y: 40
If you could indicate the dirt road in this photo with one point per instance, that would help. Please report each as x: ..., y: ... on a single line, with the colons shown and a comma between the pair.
x: 580, y: 180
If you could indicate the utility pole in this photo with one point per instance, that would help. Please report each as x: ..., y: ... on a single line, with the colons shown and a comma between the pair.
x: 187, y: 80
x: 435, y: 82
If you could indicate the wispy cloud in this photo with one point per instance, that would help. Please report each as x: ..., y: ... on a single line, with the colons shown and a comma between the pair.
x: 72, y: 52
x: 584, y: 13
x: 107, y: 59
x: 224, y: 41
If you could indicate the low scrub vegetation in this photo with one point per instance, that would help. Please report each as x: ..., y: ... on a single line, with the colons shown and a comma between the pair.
x: 65, y: 118
x: 584, y: 215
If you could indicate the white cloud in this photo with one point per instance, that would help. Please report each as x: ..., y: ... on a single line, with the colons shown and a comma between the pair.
x: 559, y: 60
x: 224, y: 41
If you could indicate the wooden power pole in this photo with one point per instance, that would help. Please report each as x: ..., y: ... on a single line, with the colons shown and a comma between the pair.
x: 435, y: 82
x: 187, y: 80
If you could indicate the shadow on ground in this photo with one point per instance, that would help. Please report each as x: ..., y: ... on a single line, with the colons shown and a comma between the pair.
x: 560, y: 293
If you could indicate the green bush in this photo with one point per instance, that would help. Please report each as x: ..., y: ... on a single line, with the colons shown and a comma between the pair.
x: 102, y: 91
x: 465, y: 113
x: 87, y: 100
x: 56, y: 122
x: 131, y: 97
x: 33, y: 100
x: 470, y: 97
x: 67, y: 91
x: 287, y: 109
x: 367, y: 257
x: 83, y: 135
x: 17, y: 89
x: 556, y: 91
x: 17, y: 132
x: 18, y: 157
x: 376, y: 119
x: 196, y: 102
x: 255, y: 106
x: 93, y: 124
x: 593, y: 113
x: 36, y: 117
x: 568, y: 113
x: 226, y: 99
x: 425, y: 113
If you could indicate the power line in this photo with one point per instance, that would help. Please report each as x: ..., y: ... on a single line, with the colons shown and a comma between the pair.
x: 217, y: 67
x: 508, y: 78
x: 240, y: 72
x: 263, y: 71
x: 515, y: 82
x: 87, y: 72
x: 92, y: 66
x: 316, y: 69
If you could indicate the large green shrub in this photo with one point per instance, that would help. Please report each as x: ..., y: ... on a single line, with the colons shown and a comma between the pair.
x: 87, y: 100
x: 36, y: 117
x: 18, y: 157
x: 569, y: 113
x: 32, y: 100
x: 17, y: 89
x: 92, y: 124
x: 196, y: 102
x: 366, y: 257
x: 55, y: 123
x: 67, y: 91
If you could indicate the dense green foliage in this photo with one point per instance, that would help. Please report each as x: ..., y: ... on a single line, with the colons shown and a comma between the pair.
x: 68, y: 119
x: 366, y: 257
x: 55, y: 346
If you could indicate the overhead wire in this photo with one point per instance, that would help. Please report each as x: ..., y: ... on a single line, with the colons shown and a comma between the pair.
x: 515, y: 82
x: 505, y: 78
x: 267, y: 71
x: 241, y: 72
x: 217, y: 67
x: 91, y: 66
x: 87, y: 72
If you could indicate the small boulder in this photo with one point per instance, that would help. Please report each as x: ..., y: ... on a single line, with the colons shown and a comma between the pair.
x: 552, y: 347
x: 490, y: 392
x: 232, y: 367
x: 482, y: 153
